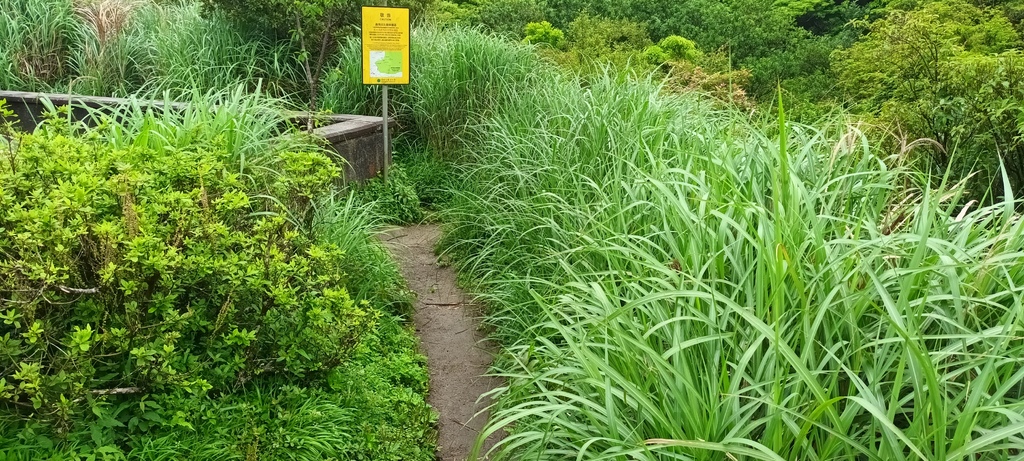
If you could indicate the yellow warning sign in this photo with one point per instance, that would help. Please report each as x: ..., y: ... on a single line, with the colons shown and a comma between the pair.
x: 385, y: 46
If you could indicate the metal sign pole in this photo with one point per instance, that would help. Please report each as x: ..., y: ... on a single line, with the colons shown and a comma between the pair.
x: 385, y: 43
x: 387, y: 139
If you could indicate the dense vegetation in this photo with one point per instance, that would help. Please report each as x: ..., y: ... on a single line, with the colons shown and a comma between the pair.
x: 715, y: 286
x: 171, y: 273
x: 944, y: 70
x: 705, y: 229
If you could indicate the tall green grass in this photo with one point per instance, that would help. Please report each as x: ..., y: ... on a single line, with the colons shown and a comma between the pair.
x: 247, y: 124
x: 125, y: 47
x: 673, y: 281
x: 183, y: 50
x: 36, y: 38
x: 461, y: 74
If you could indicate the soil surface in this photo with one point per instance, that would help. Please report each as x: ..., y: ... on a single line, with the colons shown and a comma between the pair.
x: 447, y: 322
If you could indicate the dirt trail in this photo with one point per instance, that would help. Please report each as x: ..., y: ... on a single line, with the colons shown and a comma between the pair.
x: 447, y: 323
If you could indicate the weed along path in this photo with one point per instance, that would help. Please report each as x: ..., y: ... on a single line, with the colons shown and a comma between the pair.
x: 447, y: 323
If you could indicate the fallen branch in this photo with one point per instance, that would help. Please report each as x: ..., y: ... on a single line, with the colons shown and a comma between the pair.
x: 118, y: 391
x: 78, y: 291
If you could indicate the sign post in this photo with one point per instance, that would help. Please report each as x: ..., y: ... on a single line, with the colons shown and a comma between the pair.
x: 385, y: 44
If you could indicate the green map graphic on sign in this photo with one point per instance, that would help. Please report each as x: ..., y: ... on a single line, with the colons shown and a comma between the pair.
x: 385, y: 64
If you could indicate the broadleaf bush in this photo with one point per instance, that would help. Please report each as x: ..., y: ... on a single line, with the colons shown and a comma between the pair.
x: 124, y: 270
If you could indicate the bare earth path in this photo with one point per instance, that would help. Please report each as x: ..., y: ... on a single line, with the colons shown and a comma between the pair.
x: 447, y: 323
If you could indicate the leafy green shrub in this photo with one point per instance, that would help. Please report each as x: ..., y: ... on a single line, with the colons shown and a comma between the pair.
x: 369, y: 408
x: 393, y: 201
x: 385, y: 383
x: 445, y: 13
x: 672, y: 48
x: 725, y: 86
x: 131, y: 271
x: 544, y: 33
x: 964, y: 93
x: 680, y: 49
x: 507, y: 17
x: 594, y: 42
x: 656, y: 55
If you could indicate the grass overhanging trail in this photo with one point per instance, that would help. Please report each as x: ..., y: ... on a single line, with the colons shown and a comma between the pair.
x: 676, y: 281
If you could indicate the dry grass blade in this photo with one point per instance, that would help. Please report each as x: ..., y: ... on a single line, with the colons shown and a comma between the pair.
x: 107, y: 18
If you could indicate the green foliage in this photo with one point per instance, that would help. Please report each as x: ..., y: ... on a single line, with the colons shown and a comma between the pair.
x: 598, y: 36
x: 544, y: 33
x: 431, y: 176
x: 385, y: 384
x: 172, y: 243
x: 943, y: 72
x: 308, y: 18
x: 393, y: 201
x: 370, y: 408
x: 725, y: 86
x: 446, y: 13
x: 680, y: 49
x: 36, y: 38
x: 788, y: 42
x: 595, y: 42
x: 128, y: 268
x: 675, y: 281
x: 798, y: 8
x: 507, y: 17
x: 672, y: 48
x: 656, y: 55
x: 239, y: 270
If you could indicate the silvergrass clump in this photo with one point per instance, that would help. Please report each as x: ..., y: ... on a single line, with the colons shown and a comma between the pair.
x: 124, y: 47
x: 673, y: 281
x: 183, y: 50
x: 35, y: 41
x: 105, y: 57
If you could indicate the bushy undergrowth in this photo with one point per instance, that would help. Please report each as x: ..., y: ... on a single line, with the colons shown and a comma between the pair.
x: 674, y: 281
x: 166, y: 267
x: 371, y: 408
x: 393, y: 201
x: 431, y: 176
